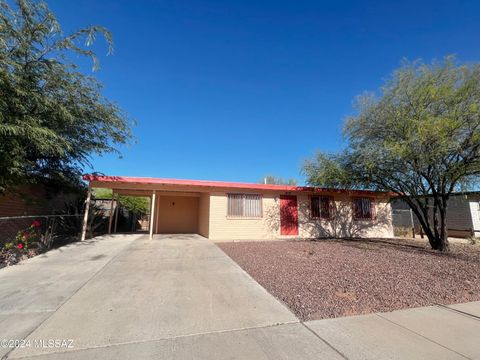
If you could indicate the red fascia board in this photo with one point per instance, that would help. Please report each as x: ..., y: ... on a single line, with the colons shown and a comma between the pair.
x: 219, y: 184
x: 201, y: 183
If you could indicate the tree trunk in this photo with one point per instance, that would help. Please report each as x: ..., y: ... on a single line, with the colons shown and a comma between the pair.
x: 433, y: 240
x: 438, y: 239
x: 426, y: 227
x: 435, y: 217
x: 440, y: 243
x: 444, y: 245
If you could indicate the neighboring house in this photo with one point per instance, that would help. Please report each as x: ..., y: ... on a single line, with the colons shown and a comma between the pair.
x: 226, y: 210
x: 463, y: 214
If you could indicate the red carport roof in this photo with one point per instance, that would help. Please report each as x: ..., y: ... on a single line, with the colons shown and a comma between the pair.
x: 219, y: 184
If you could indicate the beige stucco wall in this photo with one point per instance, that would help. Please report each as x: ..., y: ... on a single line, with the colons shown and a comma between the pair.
x: 221, y: 227
x: 204, y: 214
x: 342, y: 224
x: 177, y: 214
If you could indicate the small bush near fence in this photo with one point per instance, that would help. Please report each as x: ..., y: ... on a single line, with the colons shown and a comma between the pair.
x: 401, y: 231
x: 26, y: 236
x: 22, y: 237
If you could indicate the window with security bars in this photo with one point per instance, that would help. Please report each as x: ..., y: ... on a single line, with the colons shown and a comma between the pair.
x: 363, y: 209
x: 244, y: 205
x: 321, y: 207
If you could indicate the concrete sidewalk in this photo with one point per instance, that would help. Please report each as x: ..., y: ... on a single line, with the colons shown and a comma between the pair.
x: 181, y: 297
x: 434, y: 332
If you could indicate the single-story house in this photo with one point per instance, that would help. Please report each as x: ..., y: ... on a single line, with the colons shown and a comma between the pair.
x: 246, y: 211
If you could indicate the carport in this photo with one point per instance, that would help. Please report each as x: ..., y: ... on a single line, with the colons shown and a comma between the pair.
x: 175, y: 208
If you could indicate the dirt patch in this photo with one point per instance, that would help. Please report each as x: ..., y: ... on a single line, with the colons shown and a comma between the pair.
x: 332, y: 278
x: 8, y: 258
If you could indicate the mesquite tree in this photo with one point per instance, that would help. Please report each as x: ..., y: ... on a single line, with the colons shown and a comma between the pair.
x: 420, y: 139
x: 52, y: 116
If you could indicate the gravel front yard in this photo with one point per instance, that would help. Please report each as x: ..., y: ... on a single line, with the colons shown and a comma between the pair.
x: 332, y: 278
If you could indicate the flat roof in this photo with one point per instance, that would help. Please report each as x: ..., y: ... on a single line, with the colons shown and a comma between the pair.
x: 220, y: 184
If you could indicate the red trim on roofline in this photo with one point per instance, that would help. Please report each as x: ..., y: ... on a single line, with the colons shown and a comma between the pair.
x: 221, y: 184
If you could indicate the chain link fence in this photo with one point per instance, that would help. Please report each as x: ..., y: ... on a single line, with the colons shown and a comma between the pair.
x: 403, y: 223
x: 53, y: 229
x: 58, y: 229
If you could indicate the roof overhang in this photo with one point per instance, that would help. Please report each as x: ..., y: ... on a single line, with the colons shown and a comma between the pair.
x: 142, y: 185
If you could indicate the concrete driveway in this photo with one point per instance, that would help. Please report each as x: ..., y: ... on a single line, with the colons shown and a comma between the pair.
x: 181, y: 297
x: 128, y: 297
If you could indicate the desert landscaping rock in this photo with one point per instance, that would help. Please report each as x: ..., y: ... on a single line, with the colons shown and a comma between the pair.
x: 333, y: 278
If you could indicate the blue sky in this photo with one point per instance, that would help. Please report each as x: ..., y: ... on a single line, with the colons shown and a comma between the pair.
x: 235, y: 90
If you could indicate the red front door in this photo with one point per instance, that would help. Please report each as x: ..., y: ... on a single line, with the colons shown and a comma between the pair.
x: 288, y: 215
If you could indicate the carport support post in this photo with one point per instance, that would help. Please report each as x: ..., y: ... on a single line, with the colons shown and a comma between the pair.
x: 117, y: 209
x: 152, y: 213
x: 85, y: 215
x: 111, y: 213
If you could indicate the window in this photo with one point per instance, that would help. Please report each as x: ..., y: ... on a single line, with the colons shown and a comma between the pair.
x: 321, y: 207
x: 363, y: 209
x: 244, y: 205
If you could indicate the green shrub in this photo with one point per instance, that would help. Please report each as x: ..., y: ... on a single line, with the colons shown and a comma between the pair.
x: 25, y: 238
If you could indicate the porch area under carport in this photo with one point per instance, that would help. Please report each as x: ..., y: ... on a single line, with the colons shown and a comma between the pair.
x: 180, y: 213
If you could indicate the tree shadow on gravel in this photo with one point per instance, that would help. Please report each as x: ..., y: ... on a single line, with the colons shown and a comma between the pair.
x: 460, y: 252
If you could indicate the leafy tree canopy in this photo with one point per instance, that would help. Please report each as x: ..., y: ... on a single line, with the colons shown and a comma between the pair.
x: 419, y: 139
x: 52, y: 116
x: 275, y: 180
